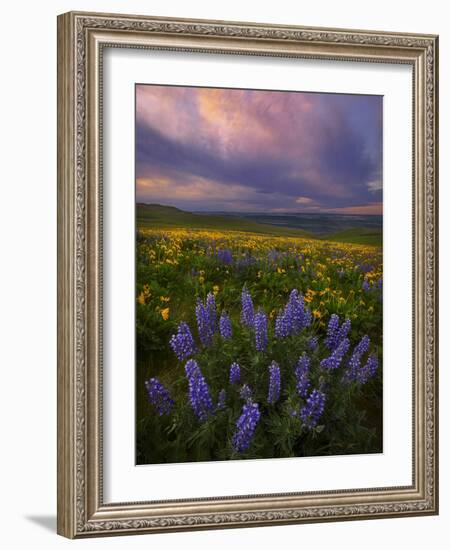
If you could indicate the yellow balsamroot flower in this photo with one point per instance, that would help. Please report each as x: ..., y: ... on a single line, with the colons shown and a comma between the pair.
x: 216, y: 289
x: 164, y: 298
x: 144, y: 295
x: 317, y: 314
x: 165, y: 313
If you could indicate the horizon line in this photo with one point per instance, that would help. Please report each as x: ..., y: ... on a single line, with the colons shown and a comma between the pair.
x: 263, y: 212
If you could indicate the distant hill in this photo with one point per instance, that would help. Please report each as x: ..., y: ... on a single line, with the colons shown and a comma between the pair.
x: 169, y: 217
x: 158, y: 215
x: 359, y: 235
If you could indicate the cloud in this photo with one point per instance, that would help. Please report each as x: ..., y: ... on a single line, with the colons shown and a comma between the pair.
x: 264, y: 149
x: 304, y: 200
x: 375, y: 185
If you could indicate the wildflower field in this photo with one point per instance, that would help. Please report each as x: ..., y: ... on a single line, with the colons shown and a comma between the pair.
x: 256, y: 346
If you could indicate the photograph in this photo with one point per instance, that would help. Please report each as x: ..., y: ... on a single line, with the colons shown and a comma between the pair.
x: 258, y: 274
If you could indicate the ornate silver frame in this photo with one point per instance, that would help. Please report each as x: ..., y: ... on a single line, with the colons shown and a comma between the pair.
x: 81, y: 38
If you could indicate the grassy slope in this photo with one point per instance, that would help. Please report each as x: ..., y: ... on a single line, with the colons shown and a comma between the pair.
x: 358, y: 235
x: 167, y: 217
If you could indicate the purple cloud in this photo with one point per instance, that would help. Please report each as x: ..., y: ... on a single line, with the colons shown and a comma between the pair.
x: 225, y: 149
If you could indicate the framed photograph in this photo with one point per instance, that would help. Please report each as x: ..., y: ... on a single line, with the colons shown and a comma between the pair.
x: 247, y: 288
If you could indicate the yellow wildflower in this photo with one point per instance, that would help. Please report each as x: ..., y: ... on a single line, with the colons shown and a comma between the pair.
x: 165, y: 313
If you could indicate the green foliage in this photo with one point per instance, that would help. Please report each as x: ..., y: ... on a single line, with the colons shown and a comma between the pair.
x: 174, y: 268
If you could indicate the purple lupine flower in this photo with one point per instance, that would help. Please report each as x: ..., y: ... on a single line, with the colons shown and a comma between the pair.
x: 225, y: 328
x: 199, y: 395
x: 273, y: 256
x: 274, y: 383
x: 302, y: 375
x: 295, y: 310
x: 261, y: 331
x: 212, y: 311
x: 363, y: 346
x: 281, y: 325
x: 366, y: 285
x: 365, y: 268
x: 332, y: 331
x: 248, y: 312
x: 369, y: 370
x: 246, y: 392
x: 221, y: 400
x: 201, y: 314
x: 354, y: 363
x: 182, y: 343
x: 159, y: 396
x: 334, y: 360
x: 343, y: 331
x: 245, y: 427
x: 235, y: 373
x: 294, y: 317
x: 225, y: 256
x: 313, y: 343
x: 311, y: 412
x: 206, y: 319
x: 307, y: 317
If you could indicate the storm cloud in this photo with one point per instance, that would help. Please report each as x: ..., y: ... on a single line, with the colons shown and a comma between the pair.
x: 209, y: 149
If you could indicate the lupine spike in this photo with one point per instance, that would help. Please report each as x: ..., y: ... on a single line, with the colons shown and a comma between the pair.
x: 261, y: 331
x: 206, y: 319
x: 302, y: 375
x: 343, y: 331
x: 274, y: 383
x: 235, y: 373
x: 313, y: 343
x: 294, y: 317
x: 226, y: 330
x: 332, y: 331
x: 225, y: 256
x: 159, y: 396
x: 246, y: 392
x: 182, y: 343
x: 369, y: 370
x: 248, y: 312
x: 313, y: 409
x: 245, y: 427
x: 212, y: 312
x: 334, y: 360
x: 354, y: 363
x: 199, y: 395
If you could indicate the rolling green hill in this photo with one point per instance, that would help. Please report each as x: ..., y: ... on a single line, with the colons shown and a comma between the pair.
x: 169, y: 217
x: 166, y: 217
x: 358, y: 235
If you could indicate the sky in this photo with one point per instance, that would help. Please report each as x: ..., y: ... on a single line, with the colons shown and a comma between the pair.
x: 232, y: 150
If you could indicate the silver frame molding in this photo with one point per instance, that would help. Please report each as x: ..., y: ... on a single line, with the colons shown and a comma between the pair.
x: 81, y: 39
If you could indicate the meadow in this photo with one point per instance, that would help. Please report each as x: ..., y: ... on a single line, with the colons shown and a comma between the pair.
x: 255, y: 342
